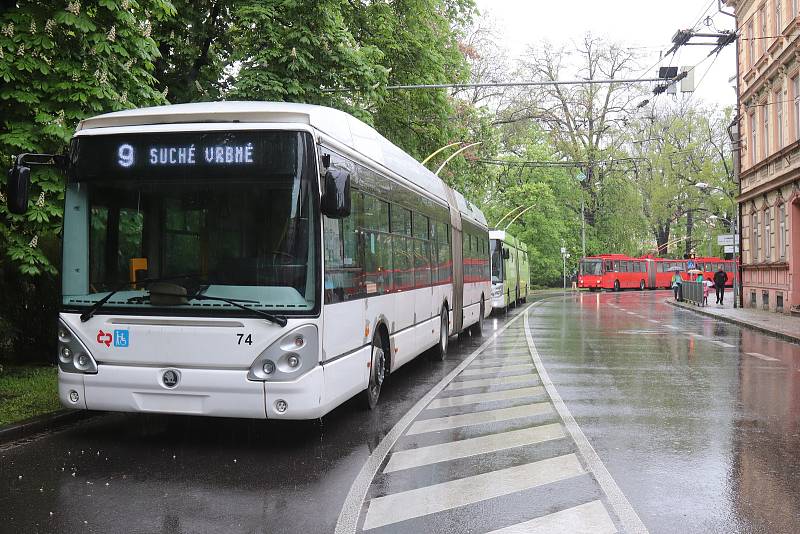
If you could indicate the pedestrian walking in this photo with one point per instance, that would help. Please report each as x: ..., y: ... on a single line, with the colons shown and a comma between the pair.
x: 676, y: 286
x: 720, y: 279
x: 707, y: 285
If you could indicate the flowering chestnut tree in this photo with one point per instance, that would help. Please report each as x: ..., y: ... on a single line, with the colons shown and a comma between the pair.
x: 60, y: 62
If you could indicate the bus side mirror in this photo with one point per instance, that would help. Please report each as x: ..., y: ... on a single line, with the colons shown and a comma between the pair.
x: 506, y: 254
x: 336, y: 199
x: 19, y: 179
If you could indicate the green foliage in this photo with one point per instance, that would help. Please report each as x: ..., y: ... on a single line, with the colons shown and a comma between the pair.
x: 293, y: 49
x: 195, y: 47
x: 60, y: 64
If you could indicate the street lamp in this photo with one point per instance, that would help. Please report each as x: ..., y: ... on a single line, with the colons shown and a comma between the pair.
x: 735, y: 226
x: 581, y: 178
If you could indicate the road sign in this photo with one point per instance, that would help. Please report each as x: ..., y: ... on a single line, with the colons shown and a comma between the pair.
x: 726, y: 240
x: 729, y: 249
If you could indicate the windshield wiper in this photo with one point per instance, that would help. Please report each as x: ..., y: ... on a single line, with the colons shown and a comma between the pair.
x: 277, y: 319
x: 88, y: 314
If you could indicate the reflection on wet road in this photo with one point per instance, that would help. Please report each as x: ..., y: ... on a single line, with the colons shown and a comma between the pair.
x: 697, y: 420
x: 697, y: 423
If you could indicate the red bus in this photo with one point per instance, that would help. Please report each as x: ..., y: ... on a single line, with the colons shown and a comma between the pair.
x: 617, y: 271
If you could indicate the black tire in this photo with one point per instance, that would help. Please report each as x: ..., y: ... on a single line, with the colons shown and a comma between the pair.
x: 616, y: 285
x: 377, y: 372
x: 641, y: 285
x: 439, y: 352
x: 478, y: 328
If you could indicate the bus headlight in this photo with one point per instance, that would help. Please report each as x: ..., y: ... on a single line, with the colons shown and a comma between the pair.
x: 289, y: 357
x: 73, y: 356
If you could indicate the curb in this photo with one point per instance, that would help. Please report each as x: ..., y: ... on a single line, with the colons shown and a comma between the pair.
x: 738, y: 322
x: 42, y: 423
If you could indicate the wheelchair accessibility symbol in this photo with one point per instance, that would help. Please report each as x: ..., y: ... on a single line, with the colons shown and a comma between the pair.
x: 121, y: 338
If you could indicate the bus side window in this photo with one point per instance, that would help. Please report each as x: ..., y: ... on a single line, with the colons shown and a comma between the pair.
x: 609, y: 268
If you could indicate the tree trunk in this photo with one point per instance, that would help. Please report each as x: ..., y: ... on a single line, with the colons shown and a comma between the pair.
x: 662, y: 239
x: 689, y: 228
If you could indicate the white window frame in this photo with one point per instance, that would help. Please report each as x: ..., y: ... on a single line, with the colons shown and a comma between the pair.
x: 754, y: 139
x: 782, y: 232
x: 778, y: 18
x: 765, y: 124
x: 751, y: 45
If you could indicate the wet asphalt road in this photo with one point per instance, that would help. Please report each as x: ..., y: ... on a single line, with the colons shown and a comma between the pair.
x: 696, y: 421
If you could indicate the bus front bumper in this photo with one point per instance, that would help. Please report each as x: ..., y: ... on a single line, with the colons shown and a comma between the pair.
x: 207, y: 392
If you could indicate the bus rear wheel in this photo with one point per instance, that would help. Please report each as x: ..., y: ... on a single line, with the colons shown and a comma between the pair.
x: 377, y: 372
x: 439, y: 352
x: 478, y: 328
x: 616, y: 285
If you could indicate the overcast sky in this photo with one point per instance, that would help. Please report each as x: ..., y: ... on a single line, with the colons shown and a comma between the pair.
x: 648, y: 26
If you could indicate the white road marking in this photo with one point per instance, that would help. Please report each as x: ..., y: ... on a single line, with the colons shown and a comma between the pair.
x: 654, y: 321
x: 671, y: 327
x: 630, y: 520
x: 499, y: 369
x: 473, y: 446
x: 480, y: 382
x: 505, y: 394
x: 723, y: 344
x: 589, y: 518
x: 347, y: 523
x: 439, y: 497
x: 762, y: 356
x: 630, y: 313
x: 478, y: 418
x: 490, y: 362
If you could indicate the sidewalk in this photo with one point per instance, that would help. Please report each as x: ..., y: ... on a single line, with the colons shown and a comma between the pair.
x: 777, y: 324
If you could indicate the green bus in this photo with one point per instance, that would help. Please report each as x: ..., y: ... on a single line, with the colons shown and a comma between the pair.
x: 510, y: 270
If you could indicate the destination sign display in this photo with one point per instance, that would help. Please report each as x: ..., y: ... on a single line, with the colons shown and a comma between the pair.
x: 187, y: 154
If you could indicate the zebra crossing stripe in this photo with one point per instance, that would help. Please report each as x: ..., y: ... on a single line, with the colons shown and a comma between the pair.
x: 589, y: 518
x: 477, y: 418
x: 463, y: 491
x: 506, y: 394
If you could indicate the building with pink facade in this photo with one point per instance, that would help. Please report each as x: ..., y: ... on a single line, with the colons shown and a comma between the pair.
x: 769, y: 127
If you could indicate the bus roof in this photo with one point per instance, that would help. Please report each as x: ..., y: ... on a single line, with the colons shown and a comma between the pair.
x: 337, y: 124
x: 508, y: 239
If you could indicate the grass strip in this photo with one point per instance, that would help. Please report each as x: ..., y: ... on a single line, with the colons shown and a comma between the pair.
x: 27, y: 392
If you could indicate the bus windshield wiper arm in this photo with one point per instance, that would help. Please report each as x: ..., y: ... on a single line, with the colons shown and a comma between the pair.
x: 88, y: 314
x: 277, y: 319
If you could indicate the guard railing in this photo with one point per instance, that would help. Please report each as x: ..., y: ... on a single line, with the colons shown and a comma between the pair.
x: 693, y: 292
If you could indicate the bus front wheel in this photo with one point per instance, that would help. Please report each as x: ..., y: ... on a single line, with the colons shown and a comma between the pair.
x: 641, y: 285
x: 377, y: 371
x: 616, y: 285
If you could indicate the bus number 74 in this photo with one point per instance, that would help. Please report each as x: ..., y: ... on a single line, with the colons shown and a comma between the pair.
x: 248, y: 339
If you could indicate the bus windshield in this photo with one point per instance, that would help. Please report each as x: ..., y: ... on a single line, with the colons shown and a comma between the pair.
x: 592, y: 267
x: 497, y: 261
x: 234, y: 211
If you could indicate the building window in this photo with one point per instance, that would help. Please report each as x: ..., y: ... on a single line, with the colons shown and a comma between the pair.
x: 751, y: 44
x: 765, y: 119
x: 754, y: 242
x: 779, y: 302
x: 782, y: 227
x: 767, y: 234
x: 794, y: 8
x: 765, y: 299
x: 778, y: 121
x: 778, y: 18
x: 753, y: 132
x: 762, y: 14
x: 796, y: 95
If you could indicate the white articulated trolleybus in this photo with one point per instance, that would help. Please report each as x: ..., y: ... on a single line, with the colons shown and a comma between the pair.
x: 248, y: 259
x: 510, y: 270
